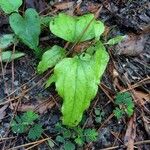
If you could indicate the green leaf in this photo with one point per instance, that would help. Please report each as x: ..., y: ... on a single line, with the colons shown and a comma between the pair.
x: 79, y: 141
x: 8, y: 56
x: 9, y: 6
x: 50, y: 58
x: 77, y: 82
x: 29, y: 117
x: 50, y: 80
x: 27, y: 28
x: 116, y: 40
x: 60, y: 139
x: 67, y: 134
x: 18, y: 126
x: 98, y: 119
x: 69, y: 146
x: 35, y: 132
x: 97, y: 111
x: 50, y: 143
x: 45, y: 21
x: 118, y: 113
x: 91, y: 135
x: 124, y: 100
x: 6, y: 40
x: 70, y: 28
x: 23, y: 123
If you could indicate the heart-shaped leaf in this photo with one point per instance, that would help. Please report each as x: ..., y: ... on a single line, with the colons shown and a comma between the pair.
x: 77, y: 80
x: 50, y: 58
x: 9, y: 6
x: 73, y: 29
x: 27, y: 28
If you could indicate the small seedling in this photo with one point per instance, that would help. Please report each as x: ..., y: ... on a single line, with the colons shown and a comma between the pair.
x: 26, y: 124
x: 125, y: 105
x: 98, y: 115
x: 115, y: 40
x: 8, y: 56
x: 68, y: 137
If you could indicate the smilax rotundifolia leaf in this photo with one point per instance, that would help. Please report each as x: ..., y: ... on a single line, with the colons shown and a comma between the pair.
x: 9, y: 6
x: 27, y: 28
x: 76, y: 29
x: 77, y: 80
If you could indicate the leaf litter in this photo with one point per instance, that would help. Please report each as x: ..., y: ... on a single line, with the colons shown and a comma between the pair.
x: 133, y: 65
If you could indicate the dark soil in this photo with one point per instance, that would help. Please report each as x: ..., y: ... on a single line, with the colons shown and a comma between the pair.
x: 124, y: 72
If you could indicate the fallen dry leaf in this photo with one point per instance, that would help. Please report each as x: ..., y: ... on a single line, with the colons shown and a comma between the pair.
x: 3, y: 112
x: 132, y: 45
x: 63, y: 5
x: 130, y: 133
x: 146, y: 121
x: 40, y: 107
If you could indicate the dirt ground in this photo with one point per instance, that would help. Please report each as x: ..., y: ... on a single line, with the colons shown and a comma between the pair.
x: 21, y: 88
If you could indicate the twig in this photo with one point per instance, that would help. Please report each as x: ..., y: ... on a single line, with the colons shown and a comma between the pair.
x: 28, y: 144
x: 121, y: 146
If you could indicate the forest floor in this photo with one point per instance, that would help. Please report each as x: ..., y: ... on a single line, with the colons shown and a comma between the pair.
x: 21, y: 88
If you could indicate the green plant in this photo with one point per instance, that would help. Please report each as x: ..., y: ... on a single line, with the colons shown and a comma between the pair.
x: 76, y: 78
x: 98, y: 115
x: 68, y: 137
x: 5, y: 41
x: 115, y: 40
x: 10, y: 6
x: 29, y: 28
x: 125, y: 105
x: 8, y: 56
x: 26, y: 123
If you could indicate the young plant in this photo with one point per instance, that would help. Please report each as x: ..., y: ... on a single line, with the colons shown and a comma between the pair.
x: 10, y: 6
x: 29, y: 28
x: 76, y: 78
x: 125, y: 105
x: 98, y: 115
x: 115, y: 40
x: 68, y: 137
x: 5, y: 41
x: 26, y: 123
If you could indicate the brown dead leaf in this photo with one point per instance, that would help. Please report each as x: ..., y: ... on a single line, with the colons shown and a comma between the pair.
x: 132, y: 45
x: 63, y: 5
x: 39, y: 5
x: 92, y: 7
x: 40, y: 107
x: 141, y: 98
x: 146, y: 121
x: 3, y: 112
x: 130, y: 133
x: 142, y: 95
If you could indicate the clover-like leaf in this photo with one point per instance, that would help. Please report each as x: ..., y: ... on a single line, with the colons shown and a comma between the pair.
x: 27, y: 28
x: 50, y: 58
x: 9, y: 6
x: 73, y: 29
x: 77, y: 80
